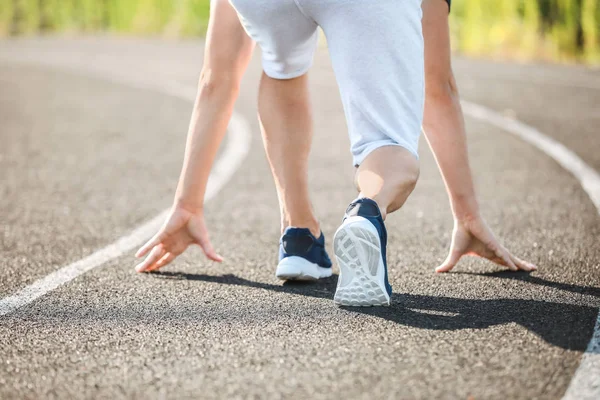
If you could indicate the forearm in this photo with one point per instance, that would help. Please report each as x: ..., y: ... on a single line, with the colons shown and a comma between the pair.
x: 445, y: 132
x: 210, y: 117
x: 226, y: 57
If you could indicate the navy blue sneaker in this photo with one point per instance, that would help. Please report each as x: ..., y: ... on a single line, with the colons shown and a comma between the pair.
x: 360, y: 245
x: 302, y: 256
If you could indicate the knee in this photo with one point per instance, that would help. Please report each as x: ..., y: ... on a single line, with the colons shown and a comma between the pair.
x: 406, y: 180
x: 388, y: 175
x: 401, y: 184
x: 402, y: 178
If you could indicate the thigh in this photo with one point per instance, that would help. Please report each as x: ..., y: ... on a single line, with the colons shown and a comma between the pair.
x: 286, y: 36
x: 377, y: 55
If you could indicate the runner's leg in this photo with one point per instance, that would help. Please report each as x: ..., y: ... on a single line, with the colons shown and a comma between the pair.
x: 377, y: 56
x: 286, y: 123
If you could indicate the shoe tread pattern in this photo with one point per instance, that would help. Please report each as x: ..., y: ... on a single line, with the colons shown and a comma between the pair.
x: 358, y: 252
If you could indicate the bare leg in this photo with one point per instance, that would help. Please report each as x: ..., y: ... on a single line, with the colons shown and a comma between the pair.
x: 286, y: 124
x: 388, y: 176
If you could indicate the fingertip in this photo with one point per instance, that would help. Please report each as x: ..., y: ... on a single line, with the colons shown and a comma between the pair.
x: 532, y: 267
x: 211, y: 254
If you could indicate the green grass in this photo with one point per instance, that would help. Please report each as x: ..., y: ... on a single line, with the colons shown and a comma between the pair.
x: 140, y: 17
x: 556, y: 30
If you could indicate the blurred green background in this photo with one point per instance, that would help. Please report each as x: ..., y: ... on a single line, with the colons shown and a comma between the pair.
x: 550, y: 30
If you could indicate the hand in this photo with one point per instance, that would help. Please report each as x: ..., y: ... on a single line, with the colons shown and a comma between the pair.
x: 182, y: 228
x: 473, y: 237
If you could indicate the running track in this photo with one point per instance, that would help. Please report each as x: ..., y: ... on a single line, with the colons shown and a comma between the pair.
x: 92, y: 133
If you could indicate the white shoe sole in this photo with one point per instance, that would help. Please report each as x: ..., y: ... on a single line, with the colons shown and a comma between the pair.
x: 362, y: 273
x: 299, y: 269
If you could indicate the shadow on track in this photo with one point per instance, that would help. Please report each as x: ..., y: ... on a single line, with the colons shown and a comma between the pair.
x: 527, y: 277
x: 322, y: 289
x: 564, y: 325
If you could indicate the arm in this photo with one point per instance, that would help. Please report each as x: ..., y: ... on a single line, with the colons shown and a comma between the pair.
x: 227, y: 54
x: 445, y: 132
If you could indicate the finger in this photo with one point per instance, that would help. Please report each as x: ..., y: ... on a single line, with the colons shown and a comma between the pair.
x: 209, y: 251
x: 450, y: 262
x: 158, y: 238
x: 523, y: 265
x: 201, y: 238
x: 166, y: 259
x: 155, y: 255
x: 506, y: 260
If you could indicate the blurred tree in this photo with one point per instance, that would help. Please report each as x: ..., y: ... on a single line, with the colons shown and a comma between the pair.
x: 190, y: 17
x: 26, y: 16
x: 590, y: 22
x: 564, y: 30
x: 7, y: 9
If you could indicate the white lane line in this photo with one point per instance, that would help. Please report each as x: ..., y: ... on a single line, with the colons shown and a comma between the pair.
x: 585, y: 384
x: 586, y: 175
x: 586, y: 381
x: 236, y: 149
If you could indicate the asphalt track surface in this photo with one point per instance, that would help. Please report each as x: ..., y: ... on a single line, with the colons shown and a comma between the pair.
x: 88, y: 154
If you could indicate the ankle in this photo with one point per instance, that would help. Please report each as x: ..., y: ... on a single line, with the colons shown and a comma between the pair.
x: 381, y: 204
x: 312, y: 225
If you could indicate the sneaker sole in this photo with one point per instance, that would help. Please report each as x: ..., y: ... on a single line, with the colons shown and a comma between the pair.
x: 299, y: 269
x: 362, y: 273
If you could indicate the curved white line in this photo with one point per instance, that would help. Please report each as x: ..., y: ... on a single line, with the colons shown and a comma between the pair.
x: 237, y: 146
x: 586, y: 381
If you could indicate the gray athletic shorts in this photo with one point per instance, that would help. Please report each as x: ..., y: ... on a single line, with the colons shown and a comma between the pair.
x: 376, y: 49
